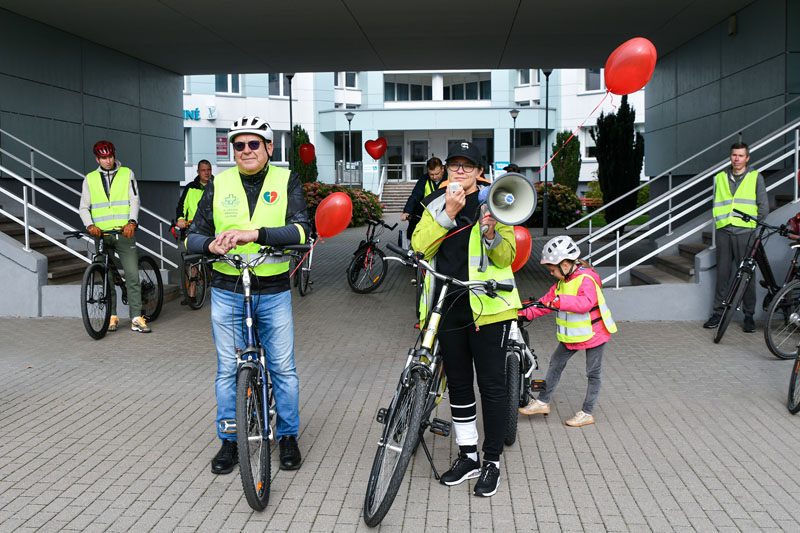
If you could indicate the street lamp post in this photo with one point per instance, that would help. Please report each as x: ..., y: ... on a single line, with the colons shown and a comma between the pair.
x: 514, y: 114
x: 547, y: 73
x: 349, y: 116
x: 289, y: 76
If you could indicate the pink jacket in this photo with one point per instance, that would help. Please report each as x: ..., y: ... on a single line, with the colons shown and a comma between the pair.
x: 583, y: 302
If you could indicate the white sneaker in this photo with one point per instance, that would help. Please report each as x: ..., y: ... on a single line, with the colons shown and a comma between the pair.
x: 535, y: 407
x: 580, y: 419
x: 140, y: 324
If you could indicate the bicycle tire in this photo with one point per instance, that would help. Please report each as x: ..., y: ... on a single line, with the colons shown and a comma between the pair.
x: 367, y: 270
x: 404, y: 433
x: 525, y: 394
x: 305, y: 275
x: 253, y: 446
x: 294, y: 271
x: 793, y: 401
x: 201, y: 282
x: 782, y: 329
x: 152, y: 288
x: 95, y: 306
x: 739, y: 286
x: 512, y: 397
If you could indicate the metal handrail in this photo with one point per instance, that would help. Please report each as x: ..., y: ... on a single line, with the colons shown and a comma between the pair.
x: 43, y: 234
x: 673, y: 168
x: 382, y: 182
x: 72, y: 208
x: 690, y: 183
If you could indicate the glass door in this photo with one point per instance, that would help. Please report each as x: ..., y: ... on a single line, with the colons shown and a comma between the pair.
x: 418, y: 157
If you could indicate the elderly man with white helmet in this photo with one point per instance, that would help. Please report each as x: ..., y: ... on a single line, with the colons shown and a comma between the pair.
x: 247, y: 206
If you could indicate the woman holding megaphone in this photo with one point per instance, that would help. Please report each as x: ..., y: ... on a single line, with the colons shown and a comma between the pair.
x: 474, y: 330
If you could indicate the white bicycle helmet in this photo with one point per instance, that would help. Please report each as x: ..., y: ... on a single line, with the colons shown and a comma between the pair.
x: 559, y: 248
x: 253, y: 125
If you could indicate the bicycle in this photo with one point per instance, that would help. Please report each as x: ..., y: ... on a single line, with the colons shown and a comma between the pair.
x: 195, y: 277
x: 255, y: 405
x: 420, y: 389
x: 754, y: 257
x: 521, y: 361
x: 96, y: 286
x: 367, y: 269
x: 302, y: 276
x: 793, y: 401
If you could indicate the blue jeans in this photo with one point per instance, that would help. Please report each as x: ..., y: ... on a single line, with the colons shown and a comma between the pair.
x: 273, y: 316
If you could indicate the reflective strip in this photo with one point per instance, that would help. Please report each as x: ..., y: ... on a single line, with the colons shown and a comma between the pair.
x: 101, y: 219
x: 474, y: 260
x: 574, y: 332
x: 743, y: 201
x: 119, y: 202
x: 723, y: 203
x: 722, y: 217
x: 101, y: 204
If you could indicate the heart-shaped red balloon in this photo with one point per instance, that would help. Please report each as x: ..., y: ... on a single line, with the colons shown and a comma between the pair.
x: 306, y: 151
x: 376, y: 148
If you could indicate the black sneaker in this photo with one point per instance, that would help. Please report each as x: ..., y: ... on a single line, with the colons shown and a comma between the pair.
x: 488, y: 482
x: 463, y: 469
x: 227, y: 456
x: 290, y: 453
x: 749, y: 325
x: 712, y: 322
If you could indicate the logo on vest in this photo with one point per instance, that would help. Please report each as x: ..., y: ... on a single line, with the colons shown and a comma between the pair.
x: 270, y: 197
x: 230, y: 201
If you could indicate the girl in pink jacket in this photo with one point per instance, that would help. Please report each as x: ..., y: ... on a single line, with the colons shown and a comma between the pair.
x: 583, y: 323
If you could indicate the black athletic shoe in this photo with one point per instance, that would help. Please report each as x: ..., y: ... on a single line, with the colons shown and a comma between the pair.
x: 489, y: 481
x: 712, y: 322
x: 227, y: 456
x: 749, y: 325
x: 290, y: 453
x: 463, y: 469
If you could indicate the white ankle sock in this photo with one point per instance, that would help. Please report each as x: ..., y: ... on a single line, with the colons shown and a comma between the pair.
x: 473, y: 456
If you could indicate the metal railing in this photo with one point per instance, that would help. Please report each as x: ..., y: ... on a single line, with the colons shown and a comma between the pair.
x: 163, y: 223
x: 382, y: 181
x: 349, y: 174
x: 696, y: 199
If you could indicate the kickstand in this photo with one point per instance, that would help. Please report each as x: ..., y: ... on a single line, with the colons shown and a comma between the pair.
x: 430, y: 459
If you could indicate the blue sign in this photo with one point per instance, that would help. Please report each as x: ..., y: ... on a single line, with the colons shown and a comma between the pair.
x: 500, y: 165
x: 191, y: 114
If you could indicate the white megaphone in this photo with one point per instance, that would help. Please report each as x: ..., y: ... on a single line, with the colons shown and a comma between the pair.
x: 511, y: 199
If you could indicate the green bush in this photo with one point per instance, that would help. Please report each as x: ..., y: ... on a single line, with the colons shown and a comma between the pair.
x: 563, y: 206
x: 594, y: 190
x: 643, y: 196
x: 365, y: 204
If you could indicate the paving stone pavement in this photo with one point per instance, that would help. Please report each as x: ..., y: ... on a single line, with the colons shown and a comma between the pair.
x: 117, y: 434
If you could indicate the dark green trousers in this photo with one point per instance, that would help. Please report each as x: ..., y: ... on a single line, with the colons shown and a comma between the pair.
x: 129, y: 257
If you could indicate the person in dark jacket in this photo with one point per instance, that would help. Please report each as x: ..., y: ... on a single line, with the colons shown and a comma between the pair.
x: 425, y: 185
x: 190, y: 197
x: 245, y: 207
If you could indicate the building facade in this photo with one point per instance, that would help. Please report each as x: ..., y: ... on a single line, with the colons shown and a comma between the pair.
x: 419, y: 113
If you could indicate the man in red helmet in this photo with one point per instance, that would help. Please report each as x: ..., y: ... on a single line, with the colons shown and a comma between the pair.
x: 110, y: 201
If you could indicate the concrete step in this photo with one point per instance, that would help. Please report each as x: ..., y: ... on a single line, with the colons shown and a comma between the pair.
x: 65, y: 269
x: 691, y: 249
x: 652, y: 275
x: 55, y: 255
x: 676, y: 265
x: 707, y: 237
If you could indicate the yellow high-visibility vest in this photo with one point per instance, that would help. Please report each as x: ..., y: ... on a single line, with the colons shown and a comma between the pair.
x: 744, y: 200
x: 110, y: 211
x: 577, y: 327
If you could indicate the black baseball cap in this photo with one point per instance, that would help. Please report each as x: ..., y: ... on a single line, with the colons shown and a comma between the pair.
x: 466, y: 150
x: 512, y: 167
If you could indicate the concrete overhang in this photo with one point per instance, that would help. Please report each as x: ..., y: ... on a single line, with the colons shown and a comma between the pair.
x: 209, y: 36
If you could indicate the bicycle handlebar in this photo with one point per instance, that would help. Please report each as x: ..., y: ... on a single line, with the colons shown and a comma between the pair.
x: 782, y: 229
x: 238, y: 261
x: 79, y: 233
x: 410, y: 257
x: 381, y: 223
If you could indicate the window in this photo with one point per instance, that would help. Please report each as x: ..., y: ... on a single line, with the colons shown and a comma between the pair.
x: 402, y: 92
x: 486, y: 90
x: 224, y: 154
x: 591, y: 147
x: 388, y: 91
x: 427, y: 92
x: 593, y: 79
x: 527, y: 138
x: 471, y: 90
x: 345, y: 80
x: 227, y: 83
x: 458, y: 92
x: 278, y: 145
x: 524, y: 76
x: 278, y: 84
x: 446, y: 93
x: 416, y: 92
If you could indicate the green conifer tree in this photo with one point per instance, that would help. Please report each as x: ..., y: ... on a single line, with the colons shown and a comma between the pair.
x: 567, y: 162
x: 307, y: 173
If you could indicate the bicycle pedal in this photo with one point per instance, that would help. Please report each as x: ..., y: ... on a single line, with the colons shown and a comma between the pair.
x: 227, y: 426
x: 537, y: 385
x: 440, y: 427
x: 381, y: 416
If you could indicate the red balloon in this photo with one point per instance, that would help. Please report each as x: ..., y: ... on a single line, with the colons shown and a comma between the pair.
x: 630, y: 66
x: 523, y: 238
x: 376, y: 148
x: 306, y: 151
x: 333, y: 214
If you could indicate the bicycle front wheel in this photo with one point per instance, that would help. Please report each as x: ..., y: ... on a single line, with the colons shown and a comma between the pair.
x: 782, y: 330
x: 304, y: 273
x: 366, y: 270
x: 95, y: 301
x: 253, y: 445
x: 394, y: 453
x: 152, y: 287
x: 194, y: 278
x: 512, y: 397
x: 737, y: 290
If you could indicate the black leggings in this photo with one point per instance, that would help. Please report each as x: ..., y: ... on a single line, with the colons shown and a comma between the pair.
x: 462, y: 346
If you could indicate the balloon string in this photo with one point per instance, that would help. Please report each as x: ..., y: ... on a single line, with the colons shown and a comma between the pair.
x: 576, y: 131
x: 447, y: 236
x: 316, y: 242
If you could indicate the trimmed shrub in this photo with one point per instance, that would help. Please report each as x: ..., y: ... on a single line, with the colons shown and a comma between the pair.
x: 563, y: 206
x: 365, y: 204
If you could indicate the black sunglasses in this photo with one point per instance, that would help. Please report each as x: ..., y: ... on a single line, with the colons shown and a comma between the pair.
x: 253, y: 145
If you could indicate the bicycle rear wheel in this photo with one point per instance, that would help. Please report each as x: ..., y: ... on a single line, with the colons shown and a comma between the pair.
x: 512, y: 396
x: 252, y: 444
x: 197, y: 275
x: 782, y: 330
x: 152, y: 287
x: 391, y: 460
x: 367, y: 270
x: 739, y: 286
x: 95, y: 303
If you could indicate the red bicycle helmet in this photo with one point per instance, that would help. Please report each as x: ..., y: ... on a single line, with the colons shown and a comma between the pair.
x: 103, y: 149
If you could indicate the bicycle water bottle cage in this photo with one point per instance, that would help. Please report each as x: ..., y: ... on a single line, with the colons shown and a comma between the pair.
x: 227, y: 426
